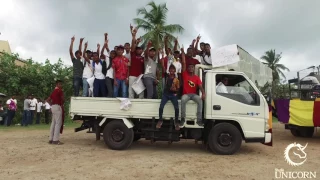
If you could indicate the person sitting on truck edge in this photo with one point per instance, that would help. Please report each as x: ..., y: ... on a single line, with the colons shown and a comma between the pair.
x: 151, y: 75
x: 136, y: 64
x: 171, y: 89
x: 190, y: 84
x: 221, y: 87
x: 120, y: 71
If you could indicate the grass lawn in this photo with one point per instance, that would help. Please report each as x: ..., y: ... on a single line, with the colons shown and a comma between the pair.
x: 39, y: 127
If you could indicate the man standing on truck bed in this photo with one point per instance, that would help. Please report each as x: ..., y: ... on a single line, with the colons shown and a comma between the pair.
x: 191, y: 82
x: 57, y: 100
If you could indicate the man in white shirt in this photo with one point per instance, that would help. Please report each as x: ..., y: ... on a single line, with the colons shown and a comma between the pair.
x: 47, y: 111
x: 33, y: 107
x: 206, y: 57
x: 12, y: 108
x: 127, y: 51
x: 39, y: 111
x: 221, y: 87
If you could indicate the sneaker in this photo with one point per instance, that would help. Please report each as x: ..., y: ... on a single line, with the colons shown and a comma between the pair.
x: 159, y: 124
x: 200, y: 123
x: 182, y: 121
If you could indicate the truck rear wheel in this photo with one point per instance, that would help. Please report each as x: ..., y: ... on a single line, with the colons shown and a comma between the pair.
x: 224, y: 139
x: 306, y: 132
x: 295, y: 132
x: 117, y: 135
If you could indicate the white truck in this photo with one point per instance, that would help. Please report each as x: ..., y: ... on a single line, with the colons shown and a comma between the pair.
x: 229, y: 118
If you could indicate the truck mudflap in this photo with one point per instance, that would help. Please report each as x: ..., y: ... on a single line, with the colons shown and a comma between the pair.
x: 268, y: 135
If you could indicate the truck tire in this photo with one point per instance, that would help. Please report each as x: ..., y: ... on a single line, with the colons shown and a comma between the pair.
x: 295, y: 132
x: 306, y: 132
x: 224, y: 139
x: 117, y: 135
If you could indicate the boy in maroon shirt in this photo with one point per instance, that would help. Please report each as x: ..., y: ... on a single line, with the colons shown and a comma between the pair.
x: 136, y: 65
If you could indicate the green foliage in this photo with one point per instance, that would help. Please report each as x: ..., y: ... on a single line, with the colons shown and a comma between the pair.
x: 153, y: 22
x: 272, y: 61
x: 33, y: 78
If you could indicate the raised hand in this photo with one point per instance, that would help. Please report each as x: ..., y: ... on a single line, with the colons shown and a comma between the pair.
x: 98, y: 45
x: 139, y: 40
x: 72, y: 39
x: 81, y: 39
x: 166, y: 37
x: 198, y: 38
x: 131, y: 27
x: 194, y: 41
x: 106, y: 34
x: 176, y: 40
x: 182, y: 48
x: 86, y: 44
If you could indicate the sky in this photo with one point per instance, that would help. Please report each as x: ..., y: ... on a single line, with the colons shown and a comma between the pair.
x: 42, y: 29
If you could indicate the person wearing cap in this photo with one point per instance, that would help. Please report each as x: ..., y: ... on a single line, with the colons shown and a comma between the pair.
x: 120, y: 71
x: 150, y: 77
x: 77, y: 67
x: 136, y: 64
x: 191, y: 83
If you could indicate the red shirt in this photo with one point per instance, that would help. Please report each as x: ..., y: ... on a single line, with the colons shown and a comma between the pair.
x: 137, y: 65
x: 190, y: 83
x: 120, y: 67
x: 190, y: 60
x: 57, y: 96
x: 165, y: 61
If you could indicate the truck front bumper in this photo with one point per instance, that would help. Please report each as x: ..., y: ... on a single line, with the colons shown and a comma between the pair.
x: 267, y: 137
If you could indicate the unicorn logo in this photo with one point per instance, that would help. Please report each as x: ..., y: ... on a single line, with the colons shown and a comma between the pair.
x: 298, y: 150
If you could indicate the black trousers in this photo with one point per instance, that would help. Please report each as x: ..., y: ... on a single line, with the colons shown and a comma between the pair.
x: 46, y: 116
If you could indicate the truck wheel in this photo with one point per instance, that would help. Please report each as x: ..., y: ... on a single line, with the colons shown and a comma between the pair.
x: 224, y: 139
x: 306, y: 132
x: 295, y: 132
x: 117, y: 135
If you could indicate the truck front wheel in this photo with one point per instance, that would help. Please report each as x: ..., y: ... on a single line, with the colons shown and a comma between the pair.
x: 117, y: 135
x: 224, y: 139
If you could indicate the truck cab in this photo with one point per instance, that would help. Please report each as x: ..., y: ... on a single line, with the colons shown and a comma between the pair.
x: 238, y: 113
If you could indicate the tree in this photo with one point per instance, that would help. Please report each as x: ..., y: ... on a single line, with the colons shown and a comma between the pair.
x: 272, y: 61
x: 35, y: 78
x: 154, y: 23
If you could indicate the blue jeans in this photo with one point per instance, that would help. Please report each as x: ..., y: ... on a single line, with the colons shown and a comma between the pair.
x: 123, y: 85
x: 31, y: 116
x: 10, y: 117
x: 76, y: 85
x: 85, y: 88
x: 174, y: 101
x: 26, y: 118
x: 99, y: 88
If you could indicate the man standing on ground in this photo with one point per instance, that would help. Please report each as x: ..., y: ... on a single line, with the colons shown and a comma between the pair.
x: 57, y: 101
x: 77, y: 67
x: 26, y: 118
x: 12, y: 108
x: 191, y: 83
x: 47, y: 112
x: 39, y: 111
x: 33, y: 106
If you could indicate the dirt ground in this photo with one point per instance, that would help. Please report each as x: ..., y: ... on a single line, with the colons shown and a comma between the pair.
x: 25, y: 154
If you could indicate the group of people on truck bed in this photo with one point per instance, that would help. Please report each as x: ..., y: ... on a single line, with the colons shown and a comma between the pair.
x: 116, y: 71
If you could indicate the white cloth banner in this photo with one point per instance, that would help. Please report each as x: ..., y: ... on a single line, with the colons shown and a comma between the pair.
x: 125, y: 103
x: 225, y: 55
x: 90, y: 82
x: 138, y: 85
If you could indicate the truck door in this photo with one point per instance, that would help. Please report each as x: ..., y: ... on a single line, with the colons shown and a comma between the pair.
x: 234, y: 98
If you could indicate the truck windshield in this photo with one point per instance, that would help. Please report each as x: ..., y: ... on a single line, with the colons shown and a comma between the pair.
x: 236, y: 87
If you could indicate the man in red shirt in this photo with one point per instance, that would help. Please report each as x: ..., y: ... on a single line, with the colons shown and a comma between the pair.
x: 191, y: 83
x: 57, y: 100
x: 136, y: 65
x: 120, y: 70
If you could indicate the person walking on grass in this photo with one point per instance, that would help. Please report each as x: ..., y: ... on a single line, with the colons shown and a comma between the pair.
x: 57, y: 100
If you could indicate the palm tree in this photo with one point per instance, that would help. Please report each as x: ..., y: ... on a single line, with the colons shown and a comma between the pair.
x: 272, y: 61
x: 153, y: 22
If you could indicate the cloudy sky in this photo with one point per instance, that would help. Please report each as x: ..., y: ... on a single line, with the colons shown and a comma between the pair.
x: 42, y: 29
